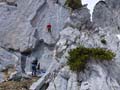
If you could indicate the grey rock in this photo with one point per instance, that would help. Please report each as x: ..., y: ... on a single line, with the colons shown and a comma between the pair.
x: 11, y: 26
x: 79, y: 19
x: 58, y: 84
x: 72, y: 82
x: 60, y: 81
x: 106, y: 14
x: 65, y: 73
x: 67, y: 37
x: 56, y: 19
x: 47, y: 77
x: 8, y: 62
x: 113, y: 4
x: 103, y: 15
x: 100, y: 72
x: 23, y: 28
x: 17, y: 76
x: 7, y: 59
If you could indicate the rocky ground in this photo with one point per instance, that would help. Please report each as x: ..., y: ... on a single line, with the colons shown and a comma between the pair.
x: 17, y: 85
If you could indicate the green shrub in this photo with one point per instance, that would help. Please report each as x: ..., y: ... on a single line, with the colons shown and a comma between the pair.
x: 103, y: 41
x: 79, y: 57
x: 73, y: 4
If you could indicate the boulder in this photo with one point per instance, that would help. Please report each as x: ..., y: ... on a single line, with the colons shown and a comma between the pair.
x: 7, y: 59
x: 17, y: 76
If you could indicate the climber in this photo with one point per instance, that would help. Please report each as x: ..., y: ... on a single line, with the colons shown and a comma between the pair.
x: 49, y: 27
x: 34, y: 67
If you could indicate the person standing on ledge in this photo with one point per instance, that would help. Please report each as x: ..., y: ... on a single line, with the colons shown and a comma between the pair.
x: 34, y: 67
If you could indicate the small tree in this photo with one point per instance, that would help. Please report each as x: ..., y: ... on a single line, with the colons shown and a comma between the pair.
x: 79, y: 57
x: 73, y: 4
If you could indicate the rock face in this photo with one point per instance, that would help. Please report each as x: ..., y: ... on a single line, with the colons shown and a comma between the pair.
x: 105, y: 74
x: 103, y: 17
x: 79, y: 19
x: 8, y: 62
x: 106, y: 13
x: 23, y: 29
x: 15, y: 33
x: 96, y: 71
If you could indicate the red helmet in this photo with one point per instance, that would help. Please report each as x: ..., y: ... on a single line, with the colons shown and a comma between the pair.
x: 49, y: 26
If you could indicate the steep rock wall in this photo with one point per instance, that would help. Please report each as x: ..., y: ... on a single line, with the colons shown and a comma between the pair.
x: 97, y: 75
x: 23, y: 28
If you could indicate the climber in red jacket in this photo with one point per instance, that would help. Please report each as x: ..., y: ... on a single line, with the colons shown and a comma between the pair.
x: 49, y: 27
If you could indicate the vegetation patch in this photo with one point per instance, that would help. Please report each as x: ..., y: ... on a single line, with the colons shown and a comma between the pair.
x: 79, y: 57
x: 73, y: 4
x: 103, y: 41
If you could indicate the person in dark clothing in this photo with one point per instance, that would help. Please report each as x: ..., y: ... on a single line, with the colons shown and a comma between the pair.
x: 34, y: 67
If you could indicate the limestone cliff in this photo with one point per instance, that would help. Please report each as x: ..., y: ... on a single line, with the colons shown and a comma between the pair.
x: 23, y: 29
